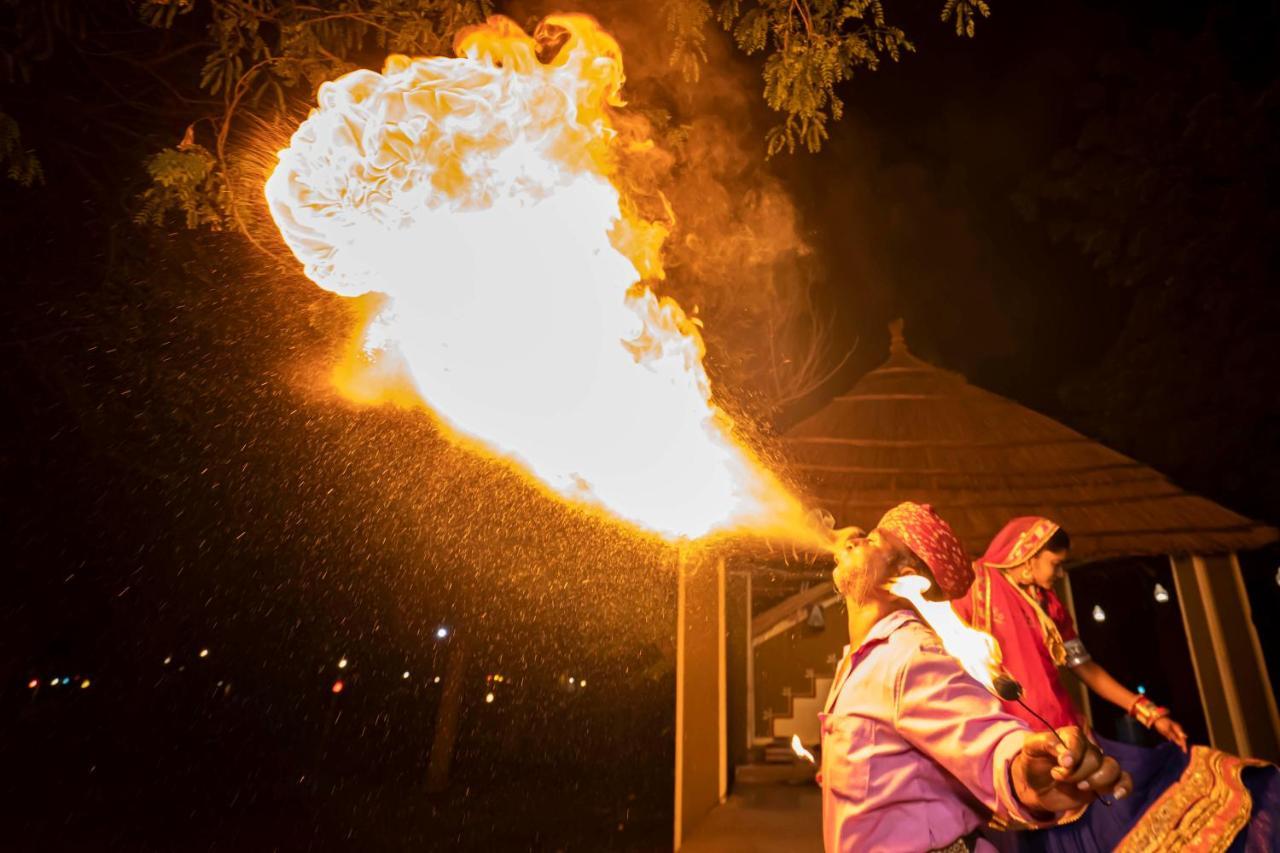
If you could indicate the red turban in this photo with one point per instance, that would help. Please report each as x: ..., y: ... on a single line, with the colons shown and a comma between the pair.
x: 934, y: 542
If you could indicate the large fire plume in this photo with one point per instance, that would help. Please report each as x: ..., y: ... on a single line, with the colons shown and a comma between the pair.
x: 471, y: 201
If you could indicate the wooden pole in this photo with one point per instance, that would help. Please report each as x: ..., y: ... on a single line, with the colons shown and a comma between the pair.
x: 446, y: 734
x: 701, y: 771
x: 1235, y: 690
x: 722, y: 676
x: 682, y: 559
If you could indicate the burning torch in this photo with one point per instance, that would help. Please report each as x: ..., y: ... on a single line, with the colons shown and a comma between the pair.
x: 976, y: 651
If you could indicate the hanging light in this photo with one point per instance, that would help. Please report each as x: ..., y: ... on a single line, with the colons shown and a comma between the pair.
x: 1099, y: 615
x: 1162, y: 594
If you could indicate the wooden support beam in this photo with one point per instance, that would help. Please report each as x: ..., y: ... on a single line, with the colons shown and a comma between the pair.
x: 1235, y: 689
x: 701, y: 769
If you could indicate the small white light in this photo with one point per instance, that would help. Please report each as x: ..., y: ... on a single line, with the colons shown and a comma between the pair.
x: 53, y: 683
x: 582, y: 683
x: 488, y: 698
x: 1099, y: 615
x: 168, y: 660
x: 1162, y: 594
x: 342, y: 664
x: 405, y: 675
x: 435, y: 680
x: 204, y: 653
x: 571, y: 679
x: 442, y: 632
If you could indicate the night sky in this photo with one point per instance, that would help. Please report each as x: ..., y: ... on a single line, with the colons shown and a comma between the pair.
x: 179, y: 476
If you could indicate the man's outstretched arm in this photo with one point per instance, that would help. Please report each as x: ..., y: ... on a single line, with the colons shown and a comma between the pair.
x: 1018, y: 774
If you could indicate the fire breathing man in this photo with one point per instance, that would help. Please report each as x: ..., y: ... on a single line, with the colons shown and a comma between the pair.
x: 916, y: 754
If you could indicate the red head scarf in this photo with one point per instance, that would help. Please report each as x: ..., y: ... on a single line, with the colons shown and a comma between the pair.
x: 933, y: 541
x: 1018, y: 541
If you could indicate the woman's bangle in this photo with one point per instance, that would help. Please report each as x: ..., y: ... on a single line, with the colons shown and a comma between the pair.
x: 1147, y: 712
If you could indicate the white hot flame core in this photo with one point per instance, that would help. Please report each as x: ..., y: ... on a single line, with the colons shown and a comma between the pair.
x: 977, y: 651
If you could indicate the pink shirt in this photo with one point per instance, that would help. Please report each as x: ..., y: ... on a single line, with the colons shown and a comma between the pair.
x: 915, y: 753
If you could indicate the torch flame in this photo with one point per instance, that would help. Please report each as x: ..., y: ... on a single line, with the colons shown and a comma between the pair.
x: 798, y: 748
x: 977, y: 651
x: 469, y: 201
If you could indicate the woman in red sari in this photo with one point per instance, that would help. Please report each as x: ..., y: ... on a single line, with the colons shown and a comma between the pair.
x: 1012, y: 599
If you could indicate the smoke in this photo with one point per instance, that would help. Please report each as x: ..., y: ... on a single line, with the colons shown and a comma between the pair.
x: 737, y: 256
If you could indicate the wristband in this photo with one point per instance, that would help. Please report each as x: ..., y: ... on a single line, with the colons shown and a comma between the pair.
x: 1147, y: 712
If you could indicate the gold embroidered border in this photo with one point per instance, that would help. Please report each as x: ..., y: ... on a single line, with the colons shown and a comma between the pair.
x: 1201, y: 813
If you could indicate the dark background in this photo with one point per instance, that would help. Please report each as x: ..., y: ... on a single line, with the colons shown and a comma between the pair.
x: 1073, y: 209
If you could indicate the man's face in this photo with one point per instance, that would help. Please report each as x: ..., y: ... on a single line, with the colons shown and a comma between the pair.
x: 1046, y: 568
x: 864, y: 564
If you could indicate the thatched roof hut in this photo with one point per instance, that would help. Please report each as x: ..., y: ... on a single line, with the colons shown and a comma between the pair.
x: 911, y: 431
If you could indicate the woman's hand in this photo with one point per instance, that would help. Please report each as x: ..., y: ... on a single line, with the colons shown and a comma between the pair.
x: 1171, y: 731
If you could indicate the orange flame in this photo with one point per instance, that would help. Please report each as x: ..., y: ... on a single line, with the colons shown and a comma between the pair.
x: 976, y: 650
x: 798, y: 748
x: 468, y: 201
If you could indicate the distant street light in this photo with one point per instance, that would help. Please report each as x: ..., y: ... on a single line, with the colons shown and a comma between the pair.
x: 405, y: 675
x: 204, y: 653
x: 342, y: 664
x: 1099, y: 615
x: 442, y: 632
x: 488, y: 698
x: 338, y: 686
x: 1162, y: 594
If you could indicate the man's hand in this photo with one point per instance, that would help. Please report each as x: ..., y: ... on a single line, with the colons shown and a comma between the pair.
x: 1056, y: 776
x: 1170, y: 730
